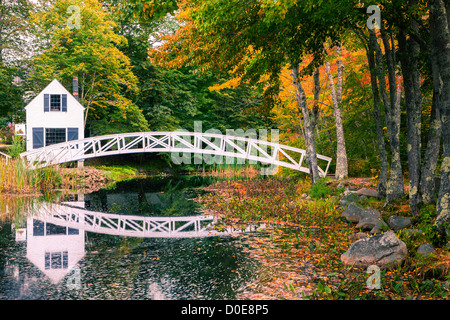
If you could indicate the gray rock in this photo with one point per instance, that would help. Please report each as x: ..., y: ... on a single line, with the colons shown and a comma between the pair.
x: 354, y: 213
x: 367, y: 192
x: 363, y: 198
x: 384, y: 250
x: 372, y: 222
x: 350, y: 197
x: 341, y: 185
x: 343, y: 202
x: 426, y: 249
x: 397, y: 223
x: 379, y: 227
x: 368, y: 222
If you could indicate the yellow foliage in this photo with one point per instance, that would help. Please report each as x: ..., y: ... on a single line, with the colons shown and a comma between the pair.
x: 232, y: 83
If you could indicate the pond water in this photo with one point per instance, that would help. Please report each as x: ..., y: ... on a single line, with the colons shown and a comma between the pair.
x: 121, y: 251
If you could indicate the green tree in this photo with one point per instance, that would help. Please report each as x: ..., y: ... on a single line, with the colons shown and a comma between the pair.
x: 13, y: 28
x: 173, y: 98
x: 11, y: 96
x: 440, y: 39
x: 89, y: 51
x: 255, y: 40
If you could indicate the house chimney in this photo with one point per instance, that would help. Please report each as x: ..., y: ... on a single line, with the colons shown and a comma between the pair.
x: 75, y: 87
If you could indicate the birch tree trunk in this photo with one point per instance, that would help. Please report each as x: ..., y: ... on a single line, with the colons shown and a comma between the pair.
x: 311, y: 153
x: 440, y: 38
x: 341, y: 153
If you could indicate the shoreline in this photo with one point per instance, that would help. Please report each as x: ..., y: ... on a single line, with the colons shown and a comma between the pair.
x: 309, y: 236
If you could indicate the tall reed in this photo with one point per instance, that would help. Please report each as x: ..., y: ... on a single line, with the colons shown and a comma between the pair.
x: 16, y: 177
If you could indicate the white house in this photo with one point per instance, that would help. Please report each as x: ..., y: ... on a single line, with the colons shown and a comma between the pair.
x: 54, y: 116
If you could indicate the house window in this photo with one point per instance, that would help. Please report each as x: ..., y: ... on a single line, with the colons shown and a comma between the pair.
x: 56, y: 260
x: 54, y: 135
x: 55, y: 102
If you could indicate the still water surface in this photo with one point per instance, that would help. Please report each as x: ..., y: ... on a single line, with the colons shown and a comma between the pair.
x: 44, y: 260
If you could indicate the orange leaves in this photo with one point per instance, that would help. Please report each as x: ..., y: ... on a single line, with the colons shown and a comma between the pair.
x: 232, y: 83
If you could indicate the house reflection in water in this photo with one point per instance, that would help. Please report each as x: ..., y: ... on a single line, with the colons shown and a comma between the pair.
x: 54, y: 249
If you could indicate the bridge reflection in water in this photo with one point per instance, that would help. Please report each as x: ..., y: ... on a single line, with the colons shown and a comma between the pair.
x: 55, y: 233
x: 74, y: 217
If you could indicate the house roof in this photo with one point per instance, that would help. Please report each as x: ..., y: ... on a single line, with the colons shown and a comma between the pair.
x: 56, y: 85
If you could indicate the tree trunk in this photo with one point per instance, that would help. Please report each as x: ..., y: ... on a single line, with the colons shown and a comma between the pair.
x: 341, y: 153
x: 440, y: 38
x: 427, y: 184
x: 315, y: 111
x: 382, y: 184
x: 395, y: 187
x: 311, y: 154
x: 409, y: 52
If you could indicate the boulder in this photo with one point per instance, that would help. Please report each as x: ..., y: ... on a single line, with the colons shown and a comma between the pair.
x: 379, y: 227
x: 367, y: 192
x: 397, y: 223
x: 426, y: 249
x: 347, y: 199
x: 383, y: 250
x: 367, y: 223
x: 372, y: 222
x: 354, y: 213
x: 343, y: 202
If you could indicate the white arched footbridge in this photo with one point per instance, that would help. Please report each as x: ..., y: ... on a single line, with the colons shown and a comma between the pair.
x: 175, y: 142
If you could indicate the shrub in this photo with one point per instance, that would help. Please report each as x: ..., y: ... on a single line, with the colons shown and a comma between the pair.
x: 18, y: 146
x: 319, y: 190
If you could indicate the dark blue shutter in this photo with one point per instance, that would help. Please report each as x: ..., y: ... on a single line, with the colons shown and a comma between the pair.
x: 72, y: 134
x: 38, y: 138
x: 46, y: 102
x: 64, y: 102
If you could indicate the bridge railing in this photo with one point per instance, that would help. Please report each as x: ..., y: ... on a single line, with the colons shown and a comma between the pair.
x: 175, y: 142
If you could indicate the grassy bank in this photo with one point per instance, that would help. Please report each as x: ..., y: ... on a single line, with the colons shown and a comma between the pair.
x: 303, y: 249
x: 17, y: 178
